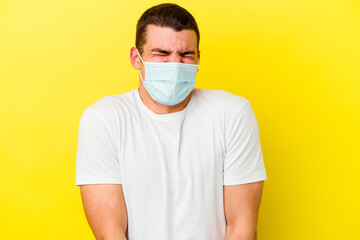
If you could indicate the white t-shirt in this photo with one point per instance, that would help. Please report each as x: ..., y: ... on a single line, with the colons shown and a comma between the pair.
x: 172, y: 167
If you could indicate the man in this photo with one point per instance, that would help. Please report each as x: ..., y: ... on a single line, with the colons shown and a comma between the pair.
x: 167, y: 161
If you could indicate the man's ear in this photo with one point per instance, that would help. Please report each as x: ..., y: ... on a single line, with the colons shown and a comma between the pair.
x: 134, y: 58
x: 198, y: 56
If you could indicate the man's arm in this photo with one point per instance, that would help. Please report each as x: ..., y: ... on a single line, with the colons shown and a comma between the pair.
x: 241, y: 205
x: 105, y: 210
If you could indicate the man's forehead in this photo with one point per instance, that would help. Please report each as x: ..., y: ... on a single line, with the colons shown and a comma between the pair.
x: 152, y: 28
x: 168, y: 39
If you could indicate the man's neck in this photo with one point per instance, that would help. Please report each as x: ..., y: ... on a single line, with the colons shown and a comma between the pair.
x: 159, y: 108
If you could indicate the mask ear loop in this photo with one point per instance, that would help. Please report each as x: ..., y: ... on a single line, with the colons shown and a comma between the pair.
x: 143, y: 63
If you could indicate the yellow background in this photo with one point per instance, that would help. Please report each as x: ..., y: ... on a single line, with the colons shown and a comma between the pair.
x: 298, y: 62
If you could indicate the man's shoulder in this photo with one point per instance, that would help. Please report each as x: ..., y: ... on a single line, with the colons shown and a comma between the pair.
x: 220, y: 99
x: 112, y: 104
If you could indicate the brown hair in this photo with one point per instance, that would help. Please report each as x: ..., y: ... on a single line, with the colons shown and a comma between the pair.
x: 165, y: 15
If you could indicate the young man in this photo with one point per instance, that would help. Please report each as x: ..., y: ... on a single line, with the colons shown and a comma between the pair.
x: 167, y: 161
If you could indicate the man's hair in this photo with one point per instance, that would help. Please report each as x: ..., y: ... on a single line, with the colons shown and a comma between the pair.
x: 165, y: 15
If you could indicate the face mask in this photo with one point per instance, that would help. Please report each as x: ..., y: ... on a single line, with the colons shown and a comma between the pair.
x: 169, y: 83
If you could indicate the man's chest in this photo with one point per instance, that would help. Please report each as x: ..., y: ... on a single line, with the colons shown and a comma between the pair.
x: 176, y: 156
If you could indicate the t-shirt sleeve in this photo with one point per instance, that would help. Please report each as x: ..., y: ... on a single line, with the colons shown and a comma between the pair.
x: 243, y: 161
x: 97, y: 156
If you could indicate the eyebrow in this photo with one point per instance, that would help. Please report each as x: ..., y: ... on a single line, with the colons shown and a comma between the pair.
x: 159, y: 50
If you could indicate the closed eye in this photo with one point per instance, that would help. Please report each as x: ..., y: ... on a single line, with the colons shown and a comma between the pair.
x: 189, y: 53
x: 160, y: 52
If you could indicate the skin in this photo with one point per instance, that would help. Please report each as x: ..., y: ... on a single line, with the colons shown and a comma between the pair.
x: 104, y: 204
x: 105, y: 210
x: 241, y: 206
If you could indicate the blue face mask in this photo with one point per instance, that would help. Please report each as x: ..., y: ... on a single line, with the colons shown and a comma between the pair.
x: 169, y: 83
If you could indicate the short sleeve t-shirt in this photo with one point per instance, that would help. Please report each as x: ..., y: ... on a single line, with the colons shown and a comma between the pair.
x: 172, y: 167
